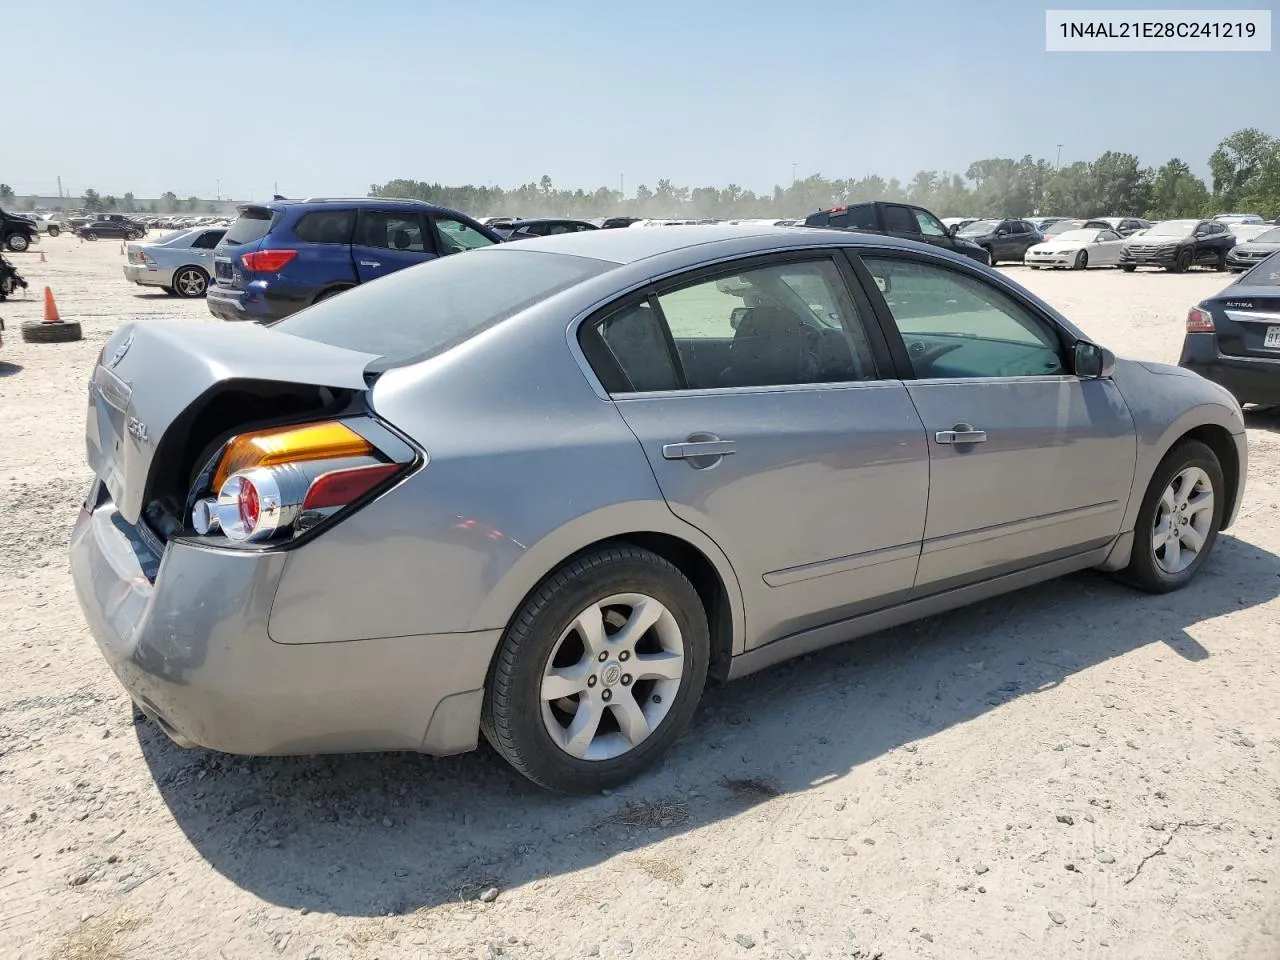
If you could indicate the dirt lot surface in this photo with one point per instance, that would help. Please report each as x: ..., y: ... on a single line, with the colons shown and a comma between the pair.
x: 1076, y: 770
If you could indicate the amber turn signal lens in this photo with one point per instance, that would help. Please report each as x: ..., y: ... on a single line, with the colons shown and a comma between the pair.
x: 266, y: 448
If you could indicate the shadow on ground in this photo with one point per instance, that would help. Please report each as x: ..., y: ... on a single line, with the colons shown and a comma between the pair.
x: 8, y: 369
x: 1263, y: 418
x: 377, y: 834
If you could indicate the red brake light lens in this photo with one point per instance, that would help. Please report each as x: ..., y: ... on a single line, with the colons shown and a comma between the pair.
x: 248, y: 504
x: 1199, y: 321
x: 340, y: 487
x: 267, y: 261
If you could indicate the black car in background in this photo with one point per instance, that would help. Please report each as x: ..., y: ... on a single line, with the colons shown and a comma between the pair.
x: 1244, y: 255
x: 1233, y: 338
x: 1002, y: 239
x: 896, y: 220
x: 1178, y: 245
x: 538, y: 227
x: 116, y: 229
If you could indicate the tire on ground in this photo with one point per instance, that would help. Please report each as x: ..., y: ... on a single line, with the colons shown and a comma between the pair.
x: 1144, y: 571
x: 512, y: 716
x: 33, y: 331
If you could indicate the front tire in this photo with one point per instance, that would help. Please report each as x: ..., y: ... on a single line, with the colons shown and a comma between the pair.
x: 190, y: 283
x: 1128, y: 267
x: 1082, y: 261
x: 1222, y: 261
x: 1178, y: 521
x: 991, y: 256
x: 599, y: 672
x: 17, y: 242
x: 1183, y: 262
x: 54, y: 231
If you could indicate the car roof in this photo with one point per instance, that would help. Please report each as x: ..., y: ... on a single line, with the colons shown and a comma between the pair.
x: 348, y: 202
x: 630, y: 246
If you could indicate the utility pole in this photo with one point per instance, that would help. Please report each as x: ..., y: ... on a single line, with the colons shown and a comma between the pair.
x: 1058, y: 162
x: 219, y: 190
x: 622, y: 186
x: 793, y: 173
x: 59, y: 188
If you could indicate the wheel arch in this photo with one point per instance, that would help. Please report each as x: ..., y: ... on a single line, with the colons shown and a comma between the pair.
x: 690, y: 551
x: 332, y: 289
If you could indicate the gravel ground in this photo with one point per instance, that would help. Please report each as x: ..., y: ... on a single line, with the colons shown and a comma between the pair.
x: 1075, y: 770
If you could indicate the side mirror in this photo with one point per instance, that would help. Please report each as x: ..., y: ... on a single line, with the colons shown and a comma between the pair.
x: 1093, y: 362
x: 736, y: 316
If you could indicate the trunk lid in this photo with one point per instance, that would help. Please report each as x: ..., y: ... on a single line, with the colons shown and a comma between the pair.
x: 1244, y: 320
x: 150, y: 373
x: 243, y: 236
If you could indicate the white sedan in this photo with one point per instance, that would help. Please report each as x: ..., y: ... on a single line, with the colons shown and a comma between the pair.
x: 179, y: 263
x: 1077, y: 249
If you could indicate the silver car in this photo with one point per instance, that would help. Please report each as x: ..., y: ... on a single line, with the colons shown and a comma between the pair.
x: 180, y: 263
x: 542, y: 490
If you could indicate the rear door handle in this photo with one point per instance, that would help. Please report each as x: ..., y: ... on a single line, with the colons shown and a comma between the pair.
x: 961, y: 433
x: 698, y: 448
x: 370, y: 263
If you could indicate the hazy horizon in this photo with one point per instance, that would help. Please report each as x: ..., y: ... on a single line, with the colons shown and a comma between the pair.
x: 326, y: 98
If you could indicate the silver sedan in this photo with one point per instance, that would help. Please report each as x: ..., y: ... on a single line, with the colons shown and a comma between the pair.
x: 543, y: 490
x: 180, y: 263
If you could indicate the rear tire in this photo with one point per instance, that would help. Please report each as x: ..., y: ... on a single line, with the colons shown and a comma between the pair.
x: 33, y: 331
x: 1128, y: 267
x: 991, y: 256
x: 1161, y: 510
x: 54, y: 231
x: 1222, y: 261
x: 190, y: 283
x: 1082, y: 261
x: 543, y: 643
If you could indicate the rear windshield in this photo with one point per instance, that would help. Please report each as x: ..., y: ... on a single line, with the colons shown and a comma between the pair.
x: 425, y: 310
x: 1265, y: 274
x: 250, y: 226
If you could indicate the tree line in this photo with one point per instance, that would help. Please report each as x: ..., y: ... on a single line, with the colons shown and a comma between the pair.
x: 1244, y: 176
x: 94, y: 202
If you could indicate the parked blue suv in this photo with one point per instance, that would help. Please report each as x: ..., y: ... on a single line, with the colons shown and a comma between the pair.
x: 281, y: 256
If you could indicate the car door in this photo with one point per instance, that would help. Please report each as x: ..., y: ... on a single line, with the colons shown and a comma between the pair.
x: 1029, y: 463
x: 1105, y: 251
x: 930, y: 229
x: 762, y: 398
x: 202, y: 248
x: 389, y: 240
x: 454, y: 236
x: 1003, y: 243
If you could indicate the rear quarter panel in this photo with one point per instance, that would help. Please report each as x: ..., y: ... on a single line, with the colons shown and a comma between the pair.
x: 1166, y: 406
x: 526, y: 466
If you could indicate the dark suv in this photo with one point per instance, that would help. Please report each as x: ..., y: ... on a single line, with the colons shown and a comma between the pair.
x: 1003, y: 240
x: 281, y: 256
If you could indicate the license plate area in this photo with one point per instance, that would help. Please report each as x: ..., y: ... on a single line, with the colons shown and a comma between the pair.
x: 1272, y: 339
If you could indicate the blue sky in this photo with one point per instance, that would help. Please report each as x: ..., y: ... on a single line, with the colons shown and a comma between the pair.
x: 328, y: 96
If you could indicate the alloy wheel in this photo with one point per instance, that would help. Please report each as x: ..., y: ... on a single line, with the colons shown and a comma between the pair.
x: 612, y: 676
x: 190, y: 283
x: 1183, y: 520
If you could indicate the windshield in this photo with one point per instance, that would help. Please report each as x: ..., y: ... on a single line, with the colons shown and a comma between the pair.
x: 1270, y: 236
x: 1078, y: 236
x: 427, y: 309
x: 1172, y: 228
x: 979, y: 227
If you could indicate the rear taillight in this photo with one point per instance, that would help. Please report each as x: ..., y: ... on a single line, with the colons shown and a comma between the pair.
x: 276, y: 484
x: 1199, y: 321
x: 267, y: 261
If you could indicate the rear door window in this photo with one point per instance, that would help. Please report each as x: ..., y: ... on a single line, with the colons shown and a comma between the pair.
x: 899, y: 220
x: 325, y: 226
x: 863, y: 217
x: 392, y: 230
x: 208, y: 240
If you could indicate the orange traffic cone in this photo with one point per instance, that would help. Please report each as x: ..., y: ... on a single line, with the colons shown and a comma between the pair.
x: 42, y: 258
x: 50, y: 308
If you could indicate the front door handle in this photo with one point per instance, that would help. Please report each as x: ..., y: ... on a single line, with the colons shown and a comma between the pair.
x: 698, y: 448
x: 961, y: 433
x: 370, y: 263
